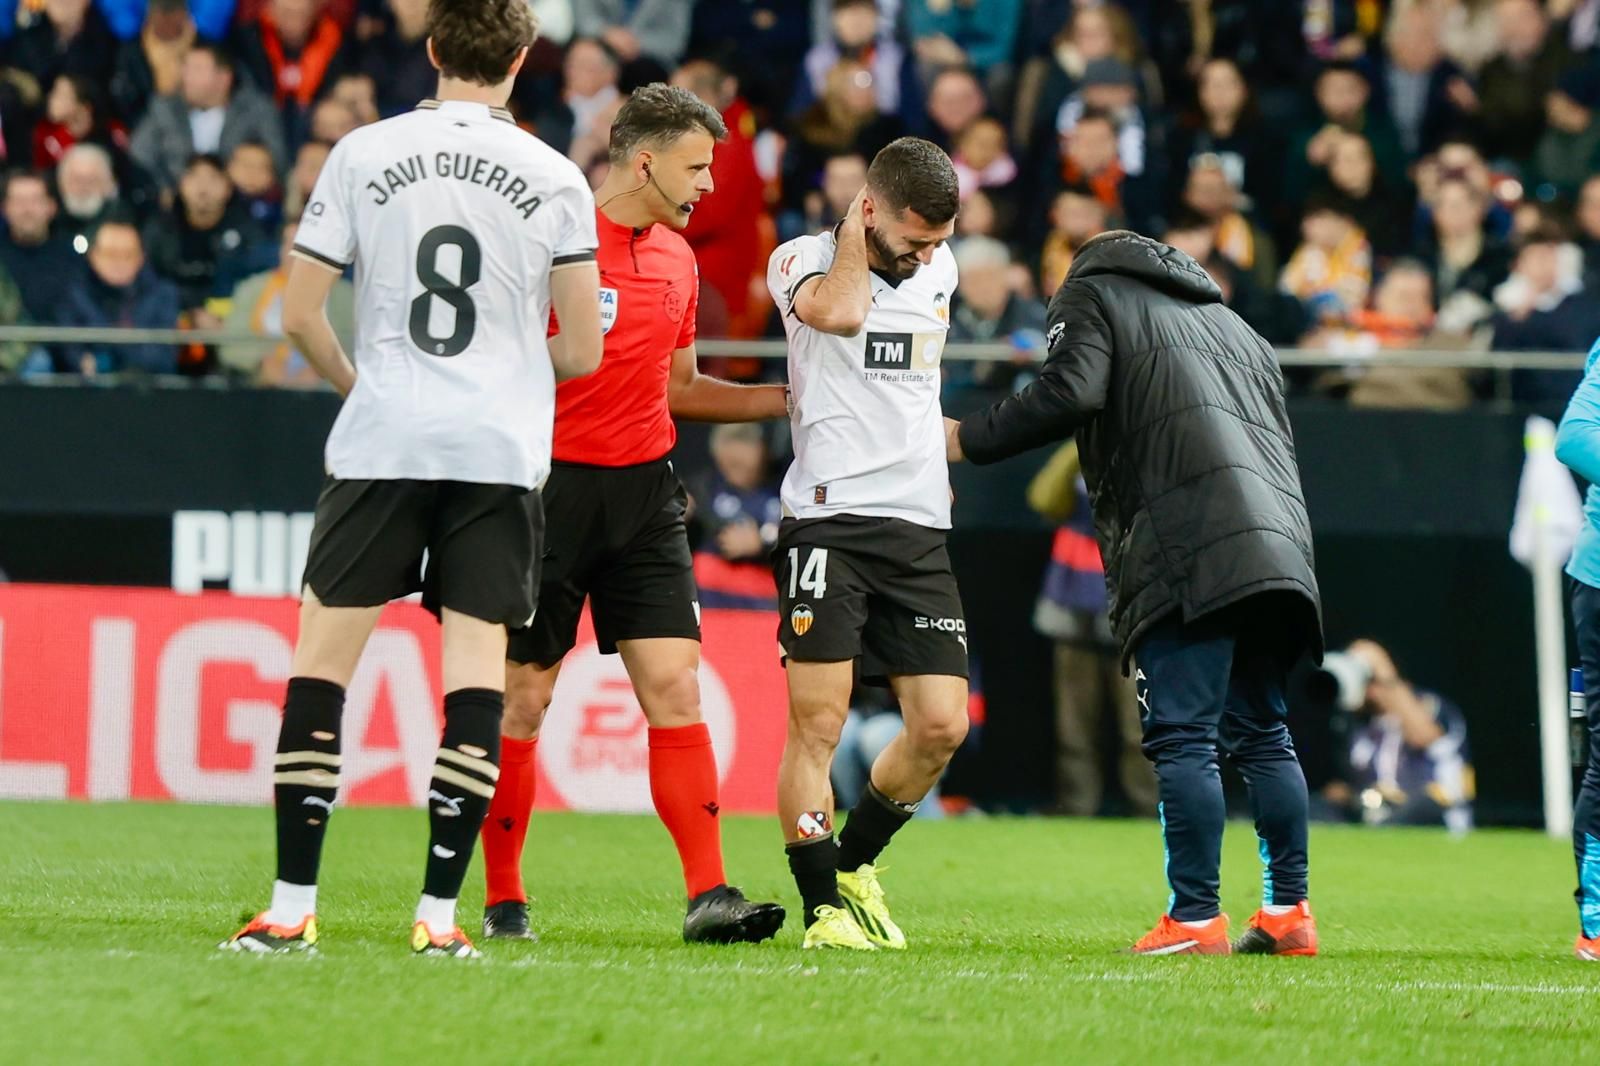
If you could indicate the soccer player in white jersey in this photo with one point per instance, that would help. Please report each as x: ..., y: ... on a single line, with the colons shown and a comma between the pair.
x: 862, y: 569
x: 464, y: 231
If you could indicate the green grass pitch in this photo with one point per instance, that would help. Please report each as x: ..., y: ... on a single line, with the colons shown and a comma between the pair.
x: 1434, y: 950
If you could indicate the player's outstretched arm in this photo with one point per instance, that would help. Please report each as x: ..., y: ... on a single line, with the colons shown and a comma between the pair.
x: 305, y: 321
x: 838, y: 301
x: 695, y: 397
x: 575, y: 298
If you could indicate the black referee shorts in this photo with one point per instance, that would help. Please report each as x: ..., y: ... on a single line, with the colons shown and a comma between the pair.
x: 616, y: 538
x: 877, y: 589
x: 482, y: 544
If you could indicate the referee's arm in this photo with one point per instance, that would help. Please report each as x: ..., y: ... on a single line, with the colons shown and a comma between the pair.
x: 696, y: 397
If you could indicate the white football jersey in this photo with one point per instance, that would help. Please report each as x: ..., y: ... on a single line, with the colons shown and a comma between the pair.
x: 454, y: 219
x: 868, y: 428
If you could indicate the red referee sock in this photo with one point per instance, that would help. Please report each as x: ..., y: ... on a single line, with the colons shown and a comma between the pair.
x: 505, y: 829
x: 683, y: 784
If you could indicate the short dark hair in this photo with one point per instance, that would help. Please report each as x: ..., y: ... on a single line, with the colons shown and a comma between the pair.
x: 26, y: 174
x: 219, y: 55
x: 478, y: 40
x: 1187, y: 220
x: 656, y: 115
x: 1547, y: 231
x: 916, y: 174
x: 206, y: 159
x: 1099, y: 114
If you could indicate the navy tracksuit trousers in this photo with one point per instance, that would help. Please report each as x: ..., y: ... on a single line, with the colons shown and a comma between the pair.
x: 1218, y: 681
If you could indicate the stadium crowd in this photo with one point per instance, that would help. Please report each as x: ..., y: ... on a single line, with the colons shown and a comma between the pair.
x: 1355, y: 174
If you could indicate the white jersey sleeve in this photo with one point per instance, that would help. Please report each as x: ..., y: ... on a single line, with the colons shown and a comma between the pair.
x: 795, y: 263
x: 327, y: 232
x: 574, y: 239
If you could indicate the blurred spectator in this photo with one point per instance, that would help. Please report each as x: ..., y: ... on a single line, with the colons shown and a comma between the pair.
x: 1413, y: 81
x: 1409, y: 763
x: 1458, y: 158
x: 1401, y: 316
x: 290, y: 50
x: 1343, y: 99
x: 88, y: 189
x: 67, y: 37
x: 1227, y: 127
x: 842, y: 177
x: 658, y: 29
x: 1089, y: 160
x: 1331, y: 271
x: 1279, y: 317
x: 1569, y: 150
x: 1211, y: 194
x: 308, y: 162
x: 988, y: 311
x: 1075, y: 216
x: 1461, y: 255
x: 590, y: 93
x: 1542, y: 307
x: 977, y: 217
x: 983, y: 161
x: 256, y: 186
x: 1466, y: 29
x: 1100, y: 31
x: 330, y: 121
x: 1108, y: 86
x: 118, y: 291
x: 212, y: 18
x: 73, y: 114
x: 357, y: 91
x: 1265, y: 38
x: 955, y: 100
x: 204, y: 235
x: 856, y: 34
x: 979, y: 34
x: 257, y: 309
x: 1089, y: 684
x: 730, y: 231
x: 43, y: 266
x: 151, y: 64
x: 764, y: 40
x: 209, y: 115
x: 1382, y: 211
x: 736, y: 515
x: 1509, y: 100
x: 397, y: 58
x: 845, y: 119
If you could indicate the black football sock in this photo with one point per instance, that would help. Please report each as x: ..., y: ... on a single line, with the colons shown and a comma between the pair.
x: 875, y: 819
x: 815, y: 866
x: 463, y: 783
x: 305, y: 776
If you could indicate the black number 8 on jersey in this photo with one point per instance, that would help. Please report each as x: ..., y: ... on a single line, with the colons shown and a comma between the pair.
x: 453, y: 293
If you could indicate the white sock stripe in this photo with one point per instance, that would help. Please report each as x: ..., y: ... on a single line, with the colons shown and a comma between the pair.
x: 289, y: 758
x: 482, y: 767
x: 314, y: 778
x: 461, y: 780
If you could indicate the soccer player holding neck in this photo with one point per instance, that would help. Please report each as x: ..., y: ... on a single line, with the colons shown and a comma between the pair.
x: 436, y: 472
x: 616, y: 518
x: 862, y: 569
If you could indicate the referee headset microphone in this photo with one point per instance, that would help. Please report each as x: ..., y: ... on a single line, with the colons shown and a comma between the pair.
x: 683, y: 207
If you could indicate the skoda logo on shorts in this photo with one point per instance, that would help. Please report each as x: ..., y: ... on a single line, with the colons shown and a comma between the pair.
x: 800, y: 619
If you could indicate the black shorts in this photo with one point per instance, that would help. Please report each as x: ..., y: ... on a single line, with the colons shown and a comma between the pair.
x: 482, y: 544
x: 617, y: 538
x: 878, y: 589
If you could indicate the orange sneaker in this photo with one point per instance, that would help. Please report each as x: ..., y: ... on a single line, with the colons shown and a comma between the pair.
x: 1171, y: 937
x: 1291, y: 933
x: 1587, y: 948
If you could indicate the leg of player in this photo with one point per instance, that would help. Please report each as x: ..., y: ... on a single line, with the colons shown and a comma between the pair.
x: 529, y: 689
x: 934, y: 707
x: 1255, y: 734
x: 464, y: 775
x: 1586, y: 814
x: 306, y: 770
x: 819, y: 701
x: 665, y: 672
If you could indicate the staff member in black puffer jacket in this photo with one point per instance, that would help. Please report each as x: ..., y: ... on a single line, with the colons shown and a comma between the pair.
x: 1178, y: 410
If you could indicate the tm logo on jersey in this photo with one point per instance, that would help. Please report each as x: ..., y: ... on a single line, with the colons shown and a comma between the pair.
x: 904, y: 351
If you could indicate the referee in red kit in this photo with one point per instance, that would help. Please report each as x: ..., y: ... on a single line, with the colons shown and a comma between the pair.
x: 615, y: 519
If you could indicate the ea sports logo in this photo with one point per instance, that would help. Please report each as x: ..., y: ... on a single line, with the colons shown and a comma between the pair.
x: 800, y: 619
x: 594, y: 745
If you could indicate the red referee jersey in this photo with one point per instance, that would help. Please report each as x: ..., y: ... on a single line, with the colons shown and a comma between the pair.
x: 649, y: 291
